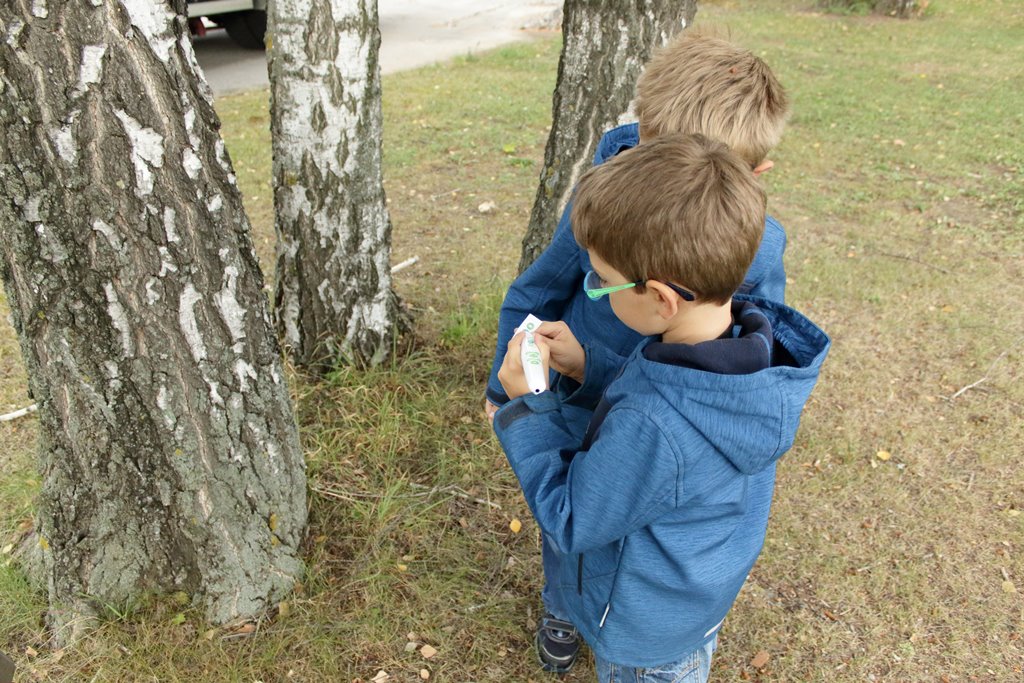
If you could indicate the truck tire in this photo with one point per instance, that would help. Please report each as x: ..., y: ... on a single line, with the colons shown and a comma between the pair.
x: 247, y: 29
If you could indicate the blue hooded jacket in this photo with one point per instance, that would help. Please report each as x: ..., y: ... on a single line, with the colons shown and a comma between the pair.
x: 656, y: 519
x: 552, y: 287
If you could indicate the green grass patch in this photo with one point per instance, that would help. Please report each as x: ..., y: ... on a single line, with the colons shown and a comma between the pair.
x: 898, y: 181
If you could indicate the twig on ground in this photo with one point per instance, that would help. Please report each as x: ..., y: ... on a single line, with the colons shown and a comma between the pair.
x: 987, y: 373
x: 404, y: 264
x: 911, y: 258
x: 967, y: 388
x: 19, y: 413
x: 330, y: 493
x: 427, y: 491
x: 455, y: 491
x: 444, y: 194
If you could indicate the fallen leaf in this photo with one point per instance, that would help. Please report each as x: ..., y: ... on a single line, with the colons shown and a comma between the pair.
x: 211, y: 634
x: 403, y: 567
x: 516, y: 526
x: 898, y: 142
x: 283, y: 610
x: 1008, y: 587
x: 412, y: 636
x: 381, y: 677
x: 427, y: 651
x: 30, y: 652
x: 508, y: 149
x: 7, y: 549
x: 759, y: 660
x: 831, y: 615
x: 411, y: 647
x: 425, y: 674
x: 487, y: 207
x: 883, y: 455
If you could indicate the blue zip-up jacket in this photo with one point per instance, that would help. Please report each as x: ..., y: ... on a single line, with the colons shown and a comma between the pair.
x: 655, y: 520
x: 552, y: 287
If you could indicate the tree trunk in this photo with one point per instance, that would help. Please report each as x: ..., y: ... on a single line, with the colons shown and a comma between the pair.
x: 333, y: 294
x: 168, y: 448
x: 605, y: 44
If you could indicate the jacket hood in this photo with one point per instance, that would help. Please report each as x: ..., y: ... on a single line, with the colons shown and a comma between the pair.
x: 751, y: 418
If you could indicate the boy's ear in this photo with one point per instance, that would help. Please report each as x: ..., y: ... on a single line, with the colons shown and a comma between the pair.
x: 667, y: 300
x: 764, y: 167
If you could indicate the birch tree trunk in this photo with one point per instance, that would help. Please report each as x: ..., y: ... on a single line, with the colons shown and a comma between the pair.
x: 605, y: 44
x: 168, y: 448
x: 333, y: 294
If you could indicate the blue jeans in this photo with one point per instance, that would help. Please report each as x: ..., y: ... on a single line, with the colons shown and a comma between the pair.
x: 693, y: 668
x: 551, y: 595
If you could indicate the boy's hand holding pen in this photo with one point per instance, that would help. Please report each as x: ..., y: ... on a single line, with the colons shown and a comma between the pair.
x: 535, y: 347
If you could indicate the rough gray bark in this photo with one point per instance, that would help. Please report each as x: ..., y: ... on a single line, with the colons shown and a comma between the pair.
x: 333, y: 296
x: 168, y: 448
x: 605, y: 44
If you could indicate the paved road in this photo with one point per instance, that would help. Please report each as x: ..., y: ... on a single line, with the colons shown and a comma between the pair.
x: 413, y: 33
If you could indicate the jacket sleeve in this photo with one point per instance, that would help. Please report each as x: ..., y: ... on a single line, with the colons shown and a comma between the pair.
x: 767, y: 275
x: 587, y: 499
x: 544, y: 289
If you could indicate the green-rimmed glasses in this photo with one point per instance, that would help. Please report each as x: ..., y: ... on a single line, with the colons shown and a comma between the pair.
x: 592, y: 286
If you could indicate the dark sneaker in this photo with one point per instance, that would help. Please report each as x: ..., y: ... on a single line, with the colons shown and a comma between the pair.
x: 558, y: 643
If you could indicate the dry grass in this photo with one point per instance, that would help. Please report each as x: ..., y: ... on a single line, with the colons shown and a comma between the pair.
x: 906, y: 222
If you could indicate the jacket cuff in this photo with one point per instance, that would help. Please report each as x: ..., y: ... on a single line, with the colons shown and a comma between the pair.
x: 498, y: 398
x: 525, y: 405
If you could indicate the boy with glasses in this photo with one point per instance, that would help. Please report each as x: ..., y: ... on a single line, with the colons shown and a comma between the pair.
x: 698, y: 83
x: 658, y: 516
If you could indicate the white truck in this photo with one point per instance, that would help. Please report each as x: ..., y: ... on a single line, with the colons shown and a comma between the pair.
x: 244, y: 20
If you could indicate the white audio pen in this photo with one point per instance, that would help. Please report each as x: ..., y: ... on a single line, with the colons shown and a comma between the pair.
x: 533, y: 367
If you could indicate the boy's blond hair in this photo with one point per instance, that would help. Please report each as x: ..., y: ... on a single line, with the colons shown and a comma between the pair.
x: 702, y: 83
x: 681, y: 209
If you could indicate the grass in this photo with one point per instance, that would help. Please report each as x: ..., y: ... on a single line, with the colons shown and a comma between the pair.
x: 899, y: 184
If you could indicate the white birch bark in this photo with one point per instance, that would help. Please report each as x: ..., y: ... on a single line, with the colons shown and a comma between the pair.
x: 168, y: 448
x: 333, y: 296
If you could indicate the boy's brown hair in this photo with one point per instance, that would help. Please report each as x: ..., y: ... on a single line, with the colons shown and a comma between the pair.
x: 702, y: 83
x: 681, y: 209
